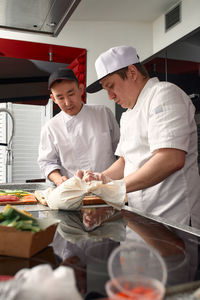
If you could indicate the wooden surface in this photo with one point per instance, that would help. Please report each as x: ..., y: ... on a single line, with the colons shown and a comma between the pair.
x: 29, y: 199
x: 34, y: 198
x: 18, y: 202
x: 87, y: 200
x: 92, y: 200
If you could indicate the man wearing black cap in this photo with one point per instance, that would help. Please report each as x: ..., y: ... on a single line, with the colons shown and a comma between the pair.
x: 158, y: 138
x: 80, y: 136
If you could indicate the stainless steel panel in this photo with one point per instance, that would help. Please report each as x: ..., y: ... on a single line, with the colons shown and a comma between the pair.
x: 44, y: 16
x: 183, y: 291
x: 30, y: 187
x: 167, y: 222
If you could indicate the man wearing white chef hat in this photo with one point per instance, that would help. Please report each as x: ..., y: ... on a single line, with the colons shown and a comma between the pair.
x: 158, y: 143
x: 80, y: 136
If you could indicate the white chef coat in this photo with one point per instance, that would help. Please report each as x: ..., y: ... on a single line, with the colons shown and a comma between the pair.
x: 85, y: 141
x: 163, y: 117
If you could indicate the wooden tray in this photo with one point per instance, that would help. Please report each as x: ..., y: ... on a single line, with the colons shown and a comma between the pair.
x: 32, y: 200
x: 87, y: 200
x: 92, y: 200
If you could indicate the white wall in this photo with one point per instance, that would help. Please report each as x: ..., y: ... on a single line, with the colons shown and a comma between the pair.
x: 100, y: 36
x: 190, y: 20
x: 95, y: 37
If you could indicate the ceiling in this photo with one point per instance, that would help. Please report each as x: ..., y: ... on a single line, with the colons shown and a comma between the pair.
x: 121, y: 10
x: 50, y: 16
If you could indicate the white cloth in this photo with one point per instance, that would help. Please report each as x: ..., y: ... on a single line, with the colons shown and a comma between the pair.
x: 41, y: 282
x: 85, y: 141
x: 68, y: 195
x: 163, y: 117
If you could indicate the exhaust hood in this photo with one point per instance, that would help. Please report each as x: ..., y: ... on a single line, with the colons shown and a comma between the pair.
x: 38, y: 16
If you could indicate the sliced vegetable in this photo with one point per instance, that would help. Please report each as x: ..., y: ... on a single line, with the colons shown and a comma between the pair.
x: 1, y: 217
x: 18, y: 193
x: 29, y: 197
x: 10, y: 212
x: 21, y: 220
x: 10, y: 222
x: 6, y: 198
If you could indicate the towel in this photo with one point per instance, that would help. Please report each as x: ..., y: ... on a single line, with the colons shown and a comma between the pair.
x: 69, y: 195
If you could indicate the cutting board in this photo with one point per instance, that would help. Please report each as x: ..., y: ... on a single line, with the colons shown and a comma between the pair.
x: 87, y: 200
x: 92, y: 200
x: 28, y: 199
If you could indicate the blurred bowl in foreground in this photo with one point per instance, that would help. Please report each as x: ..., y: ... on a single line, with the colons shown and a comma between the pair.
x: 135, y: 288
x: 137, y: 259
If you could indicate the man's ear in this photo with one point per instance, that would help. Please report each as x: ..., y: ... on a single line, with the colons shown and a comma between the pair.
x: 132, y: 71
x: 81, y: 87
x: 52, y: 97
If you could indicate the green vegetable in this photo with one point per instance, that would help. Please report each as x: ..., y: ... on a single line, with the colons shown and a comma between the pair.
x: 18, y: 193
x: 1, y: 217
x: 11, y: 211
x: 21, y: 220
x: 27, y: 226
x: 10, y: 222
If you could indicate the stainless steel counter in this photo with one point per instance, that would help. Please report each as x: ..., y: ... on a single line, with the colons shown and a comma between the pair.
x: 176, y: 243
x: 31, y: 187
x: 24, y: 186
x: 172, y: 224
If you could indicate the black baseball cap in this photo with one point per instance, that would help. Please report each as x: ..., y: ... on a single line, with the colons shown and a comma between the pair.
x: 61, y: 73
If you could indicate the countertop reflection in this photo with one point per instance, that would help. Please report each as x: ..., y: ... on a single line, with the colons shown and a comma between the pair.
x: 178, y: 246
x: 85, y: 239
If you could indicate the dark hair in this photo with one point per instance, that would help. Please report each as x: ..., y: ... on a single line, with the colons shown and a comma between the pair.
x: 60, y: 80
x: 123, y: 72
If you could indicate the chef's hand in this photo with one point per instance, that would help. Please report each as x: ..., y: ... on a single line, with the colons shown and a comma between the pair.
x: 86, y: 175
x: 89, y: 176
x: 60, y: 180
x: 56, y: 177
x: 80, y: 174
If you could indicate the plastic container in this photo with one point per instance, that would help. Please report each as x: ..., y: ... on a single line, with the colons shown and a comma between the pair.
x: 137, y: 259
x: 135, y: 288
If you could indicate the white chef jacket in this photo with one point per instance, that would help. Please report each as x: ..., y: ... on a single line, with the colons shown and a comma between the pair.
x: 163, y: 117
x: 87, y: 140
